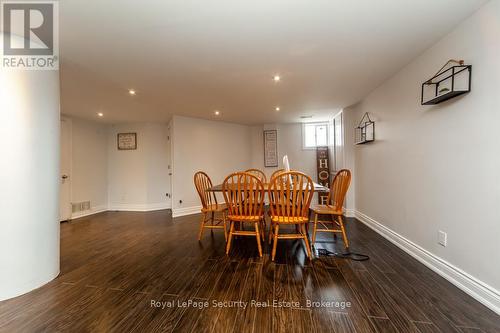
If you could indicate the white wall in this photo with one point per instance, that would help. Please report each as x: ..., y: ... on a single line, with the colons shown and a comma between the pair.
x: 437, y: 167
x: 29, y: 178
x: 215, y: 147
x: 138, y: 179
x: 89, y: 178
x: 289, y: 143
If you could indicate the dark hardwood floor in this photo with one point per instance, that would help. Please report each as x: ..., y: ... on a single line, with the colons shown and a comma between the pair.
x: 115, y: 264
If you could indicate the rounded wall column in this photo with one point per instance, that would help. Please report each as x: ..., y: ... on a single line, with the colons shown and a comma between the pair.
x: 29, y: 180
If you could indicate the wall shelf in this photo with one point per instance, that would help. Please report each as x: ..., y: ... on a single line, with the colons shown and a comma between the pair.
x: 447, y: 83
x: 365, y: 131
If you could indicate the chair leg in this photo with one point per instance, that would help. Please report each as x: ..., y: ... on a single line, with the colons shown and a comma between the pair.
x: 263, y: 230
x: 258, y: 235
x: 212, y: 218
x: 270, y: 233
x: 306, y: 241
x: 315, y: 228
x: 224, y: 224
x: 335, y: 222
x: 231, y: 230
x: 344, y: 235
x: 276, y: 230
x: 202, y: 225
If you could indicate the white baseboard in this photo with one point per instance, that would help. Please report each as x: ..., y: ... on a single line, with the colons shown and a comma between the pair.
x: 138, y: 207
x: 121, y: 208
x: 176, y: 212
x: 92, y: 211
x: 476, y: 288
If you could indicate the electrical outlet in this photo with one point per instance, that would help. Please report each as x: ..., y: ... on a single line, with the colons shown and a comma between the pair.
x: 442, y: 238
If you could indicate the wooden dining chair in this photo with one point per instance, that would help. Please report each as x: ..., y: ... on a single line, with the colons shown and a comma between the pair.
x: 209, y: 205
x: 259, y: 174
x: 277, y: 172
x: 290, y: 195
x: 274, y: 174
x: 334, y: 207
x: 244, y: 194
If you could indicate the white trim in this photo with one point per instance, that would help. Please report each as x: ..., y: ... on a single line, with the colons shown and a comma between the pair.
x: 349, y: 212
x: 122, y: 208
x: 69, y: 122
x: 139, y: 207
x: 476, y: 288
x: 176, y: 212
x: 91, y: 211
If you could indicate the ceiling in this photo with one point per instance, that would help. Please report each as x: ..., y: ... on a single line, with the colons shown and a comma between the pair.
x: 190, y: 57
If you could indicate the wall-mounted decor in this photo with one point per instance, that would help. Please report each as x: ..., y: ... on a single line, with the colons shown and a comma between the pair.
x: 323, y: 165
x: 127, y: 141
x: 449, y: 82
x: 270, y: 148
x: 365, y: 131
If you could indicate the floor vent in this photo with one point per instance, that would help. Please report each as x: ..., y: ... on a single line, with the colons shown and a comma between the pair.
x: 80, y: 206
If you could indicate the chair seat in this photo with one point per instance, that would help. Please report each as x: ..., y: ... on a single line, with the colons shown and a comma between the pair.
x: 245, y: 218
x: 287, y: 219
x: 215, y: 208
x: 326, y: 209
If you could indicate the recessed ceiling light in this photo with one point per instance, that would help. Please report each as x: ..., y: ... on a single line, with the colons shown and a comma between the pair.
x: 277, y: 108
x: 276, y: 78
x: 132, y: 92
x: 100, y: 114
x: 217, y: 112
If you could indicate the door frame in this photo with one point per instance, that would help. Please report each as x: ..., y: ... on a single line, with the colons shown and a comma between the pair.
x: 334, y: 141
x: 69, y: 123
x: 170, y: 172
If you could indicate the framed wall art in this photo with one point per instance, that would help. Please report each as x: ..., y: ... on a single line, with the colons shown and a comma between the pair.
x: 127, y: 141
x: 270, y: 148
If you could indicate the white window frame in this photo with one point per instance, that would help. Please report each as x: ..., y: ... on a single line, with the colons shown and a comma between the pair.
x: 319, y: 123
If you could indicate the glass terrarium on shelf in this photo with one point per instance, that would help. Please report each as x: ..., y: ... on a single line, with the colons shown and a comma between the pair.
x: 449, y: 82
x: 365, y: 131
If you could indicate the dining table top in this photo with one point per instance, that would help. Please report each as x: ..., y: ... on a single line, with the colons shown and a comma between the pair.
x: 317, y: 188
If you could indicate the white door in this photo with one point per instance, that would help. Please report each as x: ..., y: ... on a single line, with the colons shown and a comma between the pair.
x: 65, y: 192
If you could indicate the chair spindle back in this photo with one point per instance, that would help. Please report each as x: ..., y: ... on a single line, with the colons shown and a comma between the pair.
x: 244, y: 194
x: 339, y: 187
x: 290, y: 194
x: 277, y: 172
x: 202, y: 183
x: 258, y: 173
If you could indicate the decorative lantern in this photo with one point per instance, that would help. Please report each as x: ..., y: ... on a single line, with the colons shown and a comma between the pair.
x: 447, y: 83
x: 365, y: 131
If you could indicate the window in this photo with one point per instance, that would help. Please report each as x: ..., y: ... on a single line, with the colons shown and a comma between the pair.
x: 315, y: 135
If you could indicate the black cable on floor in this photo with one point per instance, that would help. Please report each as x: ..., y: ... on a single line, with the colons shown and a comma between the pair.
x: 346, y: 255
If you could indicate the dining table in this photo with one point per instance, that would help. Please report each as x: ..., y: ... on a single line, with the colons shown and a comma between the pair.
x: 318, y: 188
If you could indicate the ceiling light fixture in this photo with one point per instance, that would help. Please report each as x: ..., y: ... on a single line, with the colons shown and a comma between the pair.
x: 277, y: 108
x: 276, y: 78
x: 217, y: 112
x: 132, y: 92
x: 100, y: 114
